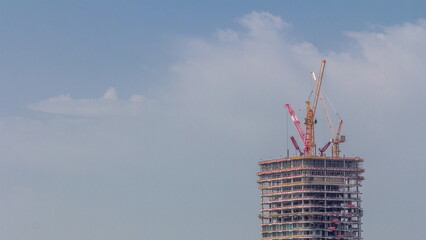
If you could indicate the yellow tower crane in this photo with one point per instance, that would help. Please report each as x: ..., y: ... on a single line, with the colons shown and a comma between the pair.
x: 308, y: 138
x: 310, y: 114
x: 337, y: 138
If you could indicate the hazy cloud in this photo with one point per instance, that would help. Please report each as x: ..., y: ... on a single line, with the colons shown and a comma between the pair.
x: 227, y: 35
x: 260, y: 23
x: 109, y: 104
x: 110, y: 94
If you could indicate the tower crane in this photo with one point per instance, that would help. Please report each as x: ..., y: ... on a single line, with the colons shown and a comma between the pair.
x: 299, y: 128
x: 308, y: 137
x: 337, y: 138
x: 310, y: 114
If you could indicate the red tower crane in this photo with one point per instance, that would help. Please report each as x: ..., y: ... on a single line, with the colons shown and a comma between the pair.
x: 296, y: 122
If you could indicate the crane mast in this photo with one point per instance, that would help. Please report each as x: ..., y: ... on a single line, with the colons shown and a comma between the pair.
x: 337, y: 139
x: 318, y: 86
x: 310, y: 114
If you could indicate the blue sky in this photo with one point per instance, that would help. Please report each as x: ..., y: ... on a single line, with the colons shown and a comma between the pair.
x: 120, y: 118
x: 64, y: 45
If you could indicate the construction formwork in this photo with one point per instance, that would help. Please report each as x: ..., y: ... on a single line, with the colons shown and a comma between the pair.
x: 311, y: 197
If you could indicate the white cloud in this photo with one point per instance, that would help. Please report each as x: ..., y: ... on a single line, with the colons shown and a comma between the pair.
x: 109, y: 104
x: 111, y: 94
x: 227, y: 35
x: 137, y: 98
x: 263, y: 23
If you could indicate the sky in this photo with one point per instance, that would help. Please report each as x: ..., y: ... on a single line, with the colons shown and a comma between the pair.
x: 146, y: 119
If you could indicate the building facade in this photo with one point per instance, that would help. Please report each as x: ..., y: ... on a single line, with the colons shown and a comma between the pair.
x: 311, y: 197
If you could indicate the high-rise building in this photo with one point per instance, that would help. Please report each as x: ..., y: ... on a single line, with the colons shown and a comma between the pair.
x: 307, y: 197
x: 311, y: 196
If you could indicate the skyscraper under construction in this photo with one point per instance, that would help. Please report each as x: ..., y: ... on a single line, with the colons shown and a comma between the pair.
x: 311, y: 196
